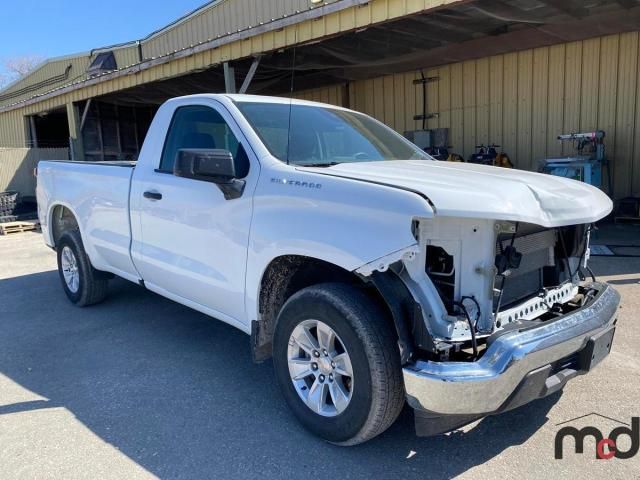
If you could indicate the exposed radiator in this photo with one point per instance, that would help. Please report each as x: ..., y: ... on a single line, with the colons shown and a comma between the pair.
x: 537, y: 251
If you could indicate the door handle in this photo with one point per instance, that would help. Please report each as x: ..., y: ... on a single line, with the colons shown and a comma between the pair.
x: 152, y: 195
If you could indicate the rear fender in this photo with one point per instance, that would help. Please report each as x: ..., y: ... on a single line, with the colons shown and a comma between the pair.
x: 49, y: 228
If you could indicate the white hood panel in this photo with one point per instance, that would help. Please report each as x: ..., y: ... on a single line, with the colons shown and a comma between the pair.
x: 478, y: 191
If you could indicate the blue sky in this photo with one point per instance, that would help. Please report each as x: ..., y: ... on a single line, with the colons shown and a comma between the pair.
x: 51, y: 28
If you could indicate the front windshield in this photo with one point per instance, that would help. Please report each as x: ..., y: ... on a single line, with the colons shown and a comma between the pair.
x: 324, y: 136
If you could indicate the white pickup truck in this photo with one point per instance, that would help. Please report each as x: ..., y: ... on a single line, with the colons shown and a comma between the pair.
x: 369, y: 272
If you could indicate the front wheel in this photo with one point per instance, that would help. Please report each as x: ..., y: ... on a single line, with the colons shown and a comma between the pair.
x: 337, y: 362
x: 83, y: 284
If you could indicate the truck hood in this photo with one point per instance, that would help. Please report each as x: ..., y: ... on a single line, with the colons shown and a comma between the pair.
x: 479, y: 191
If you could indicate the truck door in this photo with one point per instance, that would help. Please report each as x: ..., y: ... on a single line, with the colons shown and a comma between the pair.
x: 189, y: 242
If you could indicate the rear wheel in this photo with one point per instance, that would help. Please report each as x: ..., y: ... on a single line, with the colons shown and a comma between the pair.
x: 83, y: 284
x: 337, y: 362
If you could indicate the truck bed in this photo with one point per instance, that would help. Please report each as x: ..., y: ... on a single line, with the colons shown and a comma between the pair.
x: 98, y: 195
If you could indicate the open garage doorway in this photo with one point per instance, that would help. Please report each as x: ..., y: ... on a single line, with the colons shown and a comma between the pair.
x: 49, y: 129
x: 112, y: 131
x: 114, y: 126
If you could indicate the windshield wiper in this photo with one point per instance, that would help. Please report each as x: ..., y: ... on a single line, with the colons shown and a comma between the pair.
x: 325, y: 164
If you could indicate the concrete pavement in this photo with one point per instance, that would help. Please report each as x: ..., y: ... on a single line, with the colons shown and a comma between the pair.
x: 142, y: 387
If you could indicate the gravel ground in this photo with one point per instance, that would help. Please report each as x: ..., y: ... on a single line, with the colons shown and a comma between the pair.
x: 142, y: 387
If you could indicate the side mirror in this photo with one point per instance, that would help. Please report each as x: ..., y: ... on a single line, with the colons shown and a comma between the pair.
x: 206, y: 164
x: 210, y: 165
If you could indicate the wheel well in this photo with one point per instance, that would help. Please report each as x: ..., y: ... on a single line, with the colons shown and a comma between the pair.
x: 283, y: 277
x: 62, y: 219
x: 289, y: 274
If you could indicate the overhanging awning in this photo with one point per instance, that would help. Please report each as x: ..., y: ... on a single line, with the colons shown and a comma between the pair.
x: 461, y: 31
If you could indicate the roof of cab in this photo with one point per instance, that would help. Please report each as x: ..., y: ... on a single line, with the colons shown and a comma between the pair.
x: 238, y: 98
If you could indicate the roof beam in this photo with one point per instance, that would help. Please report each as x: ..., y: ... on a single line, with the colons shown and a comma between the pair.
x: 250, y: 74
x: 229, y: 78
x: 33, y: 131
x: 84, y: 113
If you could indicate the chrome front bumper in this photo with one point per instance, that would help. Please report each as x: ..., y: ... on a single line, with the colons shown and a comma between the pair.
x: 518, y: 366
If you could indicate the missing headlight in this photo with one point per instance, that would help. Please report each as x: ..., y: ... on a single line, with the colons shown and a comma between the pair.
x: 440, y: 268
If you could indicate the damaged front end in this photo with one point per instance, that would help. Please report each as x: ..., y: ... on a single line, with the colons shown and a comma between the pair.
x: 493, y: 315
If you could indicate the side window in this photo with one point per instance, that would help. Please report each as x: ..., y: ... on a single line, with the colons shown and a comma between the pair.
x: 197, y: 126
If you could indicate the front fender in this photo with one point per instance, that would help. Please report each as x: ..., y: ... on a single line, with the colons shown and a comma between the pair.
x: 345, y: 222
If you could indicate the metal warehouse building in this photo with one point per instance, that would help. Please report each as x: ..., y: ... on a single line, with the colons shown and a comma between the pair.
x: 512, y: 72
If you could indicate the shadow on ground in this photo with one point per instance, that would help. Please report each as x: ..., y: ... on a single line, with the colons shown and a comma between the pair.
x: 617, y: 267
x: 178, y: 393
x: 613, y: 266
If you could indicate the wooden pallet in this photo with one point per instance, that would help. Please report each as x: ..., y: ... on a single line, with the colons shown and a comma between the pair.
x: 19, y: 227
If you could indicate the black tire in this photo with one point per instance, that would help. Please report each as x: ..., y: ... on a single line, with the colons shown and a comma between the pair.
x: 368, y: 336
x: 93, y: 284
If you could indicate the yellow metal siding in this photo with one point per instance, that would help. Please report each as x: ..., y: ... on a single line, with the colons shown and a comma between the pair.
x: 496, y: 110
x: 626, y: 100
x: 126, y: 56
x: 456, y: 135
x: 46, y: 72
x: 17, y: 164
x: 572, y: 96
x: 482, y: 100
x: 12, y: 129
x: 525, y: 110
x: 539, y: 105
x: 510, y: 106
x: 444, y: 96
x: 555, y: 102
x: 524, y: 100
x: 607, y: 103
x: 333, y: 95
x: 226, y: 16
x: 469, y: 105
x: 590, y: 83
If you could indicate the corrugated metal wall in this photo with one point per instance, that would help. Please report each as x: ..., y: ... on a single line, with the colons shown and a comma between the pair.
x: 79, y: 64
x: 44, y: 73
x: 221, y: 18
x: 13, y: 129
x: 126, y: 56
x: 523, y: 100
x: 334, y: 95
x: 17, y: 164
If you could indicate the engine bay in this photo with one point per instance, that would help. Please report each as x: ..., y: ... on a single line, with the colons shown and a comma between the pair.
x: 477, y: 278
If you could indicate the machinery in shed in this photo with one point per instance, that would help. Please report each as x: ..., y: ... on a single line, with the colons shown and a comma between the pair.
x: 586, y: 165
